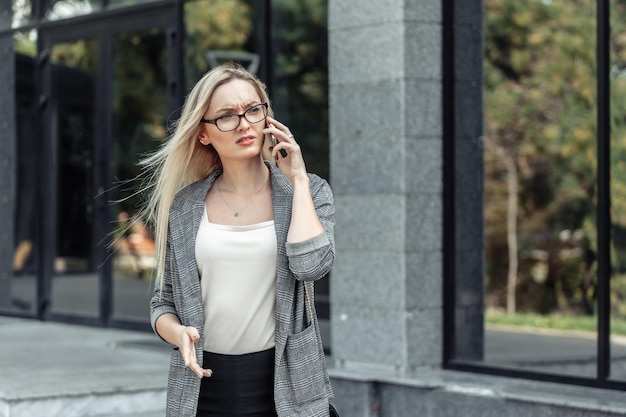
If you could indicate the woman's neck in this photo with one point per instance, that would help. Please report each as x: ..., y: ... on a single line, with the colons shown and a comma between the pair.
x: 243, y: 178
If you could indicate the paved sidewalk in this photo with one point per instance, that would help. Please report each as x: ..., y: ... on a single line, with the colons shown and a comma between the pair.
x: 51, y: 369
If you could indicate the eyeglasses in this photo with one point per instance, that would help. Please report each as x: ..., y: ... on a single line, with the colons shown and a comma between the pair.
x: 229, y: 122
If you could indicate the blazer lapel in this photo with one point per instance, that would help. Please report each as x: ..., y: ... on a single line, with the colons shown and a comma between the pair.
x: 282, y: 194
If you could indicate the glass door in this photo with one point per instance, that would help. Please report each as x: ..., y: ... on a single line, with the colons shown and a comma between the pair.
x: 108, y: 90
x: 74, y: 76
x: 139, y: 124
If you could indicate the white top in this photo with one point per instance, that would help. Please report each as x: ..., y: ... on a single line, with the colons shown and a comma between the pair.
x: 237, y: 266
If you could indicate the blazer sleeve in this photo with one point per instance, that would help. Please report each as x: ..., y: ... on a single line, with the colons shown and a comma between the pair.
x: 163, y: 298
x: 313, y: 258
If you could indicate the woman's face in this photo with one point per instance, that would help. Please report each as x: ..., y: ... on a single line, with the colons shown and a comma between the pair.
x: 246, y: 140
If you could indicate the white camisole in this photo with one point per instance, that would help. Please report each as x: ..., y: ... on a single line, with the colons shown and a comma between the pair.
x: 237, y: 266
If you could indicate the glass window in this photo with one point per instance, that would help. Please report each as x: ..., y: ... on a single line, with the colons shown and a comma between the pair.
x: 139, y: 110
x: 75, y: 284
x: 19, y: 292
x: 300, y: 76
x: 16, y: 13
x: 540, y: 186
x: 64, y: 9
x: 220, y: 31
x: 618, y: 188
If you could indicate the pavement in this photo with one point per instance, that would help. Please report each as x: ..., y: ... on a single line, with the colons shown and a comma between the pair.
x: 50, y: 369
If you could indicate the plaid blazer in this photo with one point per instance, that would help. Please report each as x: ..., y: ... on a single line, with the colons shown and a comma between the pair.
x: 301, y: 382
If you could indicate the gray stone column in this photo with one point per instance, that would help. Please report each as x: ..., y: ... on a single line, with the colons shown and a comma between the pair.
x: 386, y: 169
x: 7, y: 167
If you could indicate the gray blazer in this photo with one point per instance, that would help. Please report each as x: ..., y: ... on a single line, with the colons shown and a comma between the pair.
x: 301, y: 382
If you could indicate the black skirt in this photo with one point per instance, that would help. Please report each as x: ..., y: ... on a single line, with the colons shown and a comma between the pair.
x: 241, y: 385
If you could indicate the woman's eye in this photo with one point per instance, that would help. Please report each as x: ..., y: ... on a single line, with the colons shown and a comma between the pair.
x: 227, y: 117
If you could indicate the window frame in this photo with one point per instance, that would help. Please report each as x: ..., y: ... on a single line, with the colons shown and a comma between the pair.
x: 451, y: 53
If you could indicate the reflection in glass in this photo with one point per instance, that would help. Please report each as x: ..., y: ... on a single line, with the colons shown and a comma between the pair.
x: 218, y: 31
x: 139, y: 113
x: 21, y: 291
x: 75, y: 286
x: 540, y: 184
x: 64, y: 9
x: 300, y: 77
x: 19, y: 14
x: 618, y: 189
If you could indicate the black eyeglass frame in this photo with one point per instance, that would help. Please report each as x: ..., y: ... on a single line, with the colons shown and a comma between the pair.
x: 214, y: 121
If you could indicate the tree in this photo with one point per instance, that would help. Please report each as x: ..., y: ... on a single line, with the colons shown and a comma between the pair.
x: 540, y: 136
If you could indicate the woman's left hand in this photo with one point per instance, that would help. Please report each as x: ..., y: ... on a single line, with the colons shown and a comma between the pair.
x: 292, y: 165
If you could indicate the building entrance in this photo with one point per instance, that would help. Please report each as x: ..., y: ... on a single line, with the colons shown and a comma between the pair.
x: 108, y: 89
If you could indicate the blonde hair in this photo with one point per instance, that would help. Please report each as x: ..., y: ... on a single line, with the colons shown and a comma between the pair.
x: 182, y: 160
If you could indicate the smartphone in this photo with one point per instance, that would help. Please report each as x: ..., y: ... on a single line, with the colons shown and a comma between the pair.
x: 282, y: 152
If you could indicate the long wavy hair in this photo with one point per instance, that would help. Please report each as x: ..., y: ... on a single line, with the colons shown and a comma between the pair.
x: 182, y: 159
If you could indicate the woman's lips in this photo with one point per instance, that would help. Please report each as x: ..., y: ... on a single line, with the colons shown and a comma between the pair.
x: 246, y: 140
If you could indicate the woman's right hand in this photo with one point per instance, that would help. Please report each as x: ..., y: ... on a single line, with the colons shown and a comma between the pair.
x: 170, y: 329
x: 186, y: 345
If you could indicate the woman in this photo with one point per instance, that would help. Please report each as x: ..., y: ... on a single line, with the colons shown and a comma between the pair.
x: 238, y: 238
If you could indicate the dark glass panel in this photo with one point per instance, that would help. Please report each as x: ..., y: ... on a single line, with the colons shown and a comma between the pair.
x: 540, y: 186
x: 300, y: 76
x: 19, y: 291
x: 139, y: 126
x: 75, y: 286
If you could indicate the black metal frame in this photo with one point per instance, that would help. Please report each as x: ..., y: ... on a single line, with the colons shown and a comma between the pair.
x: 604, y: 191
x: 449, y: 178
x: 602, y: 379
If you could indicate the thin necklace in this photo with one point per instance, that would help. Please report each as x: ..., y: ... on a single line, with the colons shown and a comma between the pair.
x: 236, y: 213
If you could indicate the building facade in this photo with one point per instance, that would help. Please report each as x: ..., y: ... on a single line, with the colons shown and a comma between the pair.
x: 387, y: 100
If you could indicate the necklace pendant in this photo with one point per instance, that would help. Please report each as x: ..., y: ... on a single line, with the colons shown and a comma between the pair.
x: 236, y: 214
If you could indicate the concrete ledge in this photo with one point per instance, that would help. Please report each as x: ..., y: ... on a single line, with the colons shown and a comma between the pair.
x: 150, y: 402
x: 368, y: 392
x: 59, y: 370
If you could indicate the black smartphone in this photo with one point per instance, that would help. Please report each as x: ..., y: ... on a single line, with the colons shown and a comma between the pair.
x: 282, y: 152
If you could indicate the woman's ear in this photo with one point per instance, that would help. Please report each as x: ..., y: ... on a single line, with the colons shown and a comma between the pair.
x: 203, y: 138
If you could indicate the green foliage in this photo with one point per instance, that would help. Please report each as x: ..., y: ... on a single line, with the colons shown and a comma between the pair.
x: 540, y: 107
x: 618, y: 297
x: 81, y: 54
x: 300, y: 76
x: 554, y: 322
x: 25, y: 43
x: 139, y: 102
x: 224, y: 25
x: 538, y: 321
